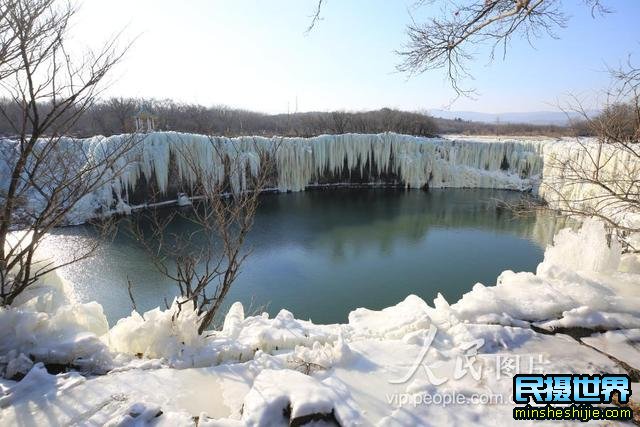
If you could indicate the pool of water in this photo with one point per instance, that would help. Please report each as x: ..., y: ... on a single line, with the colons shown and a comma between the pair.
x: 321, y: 254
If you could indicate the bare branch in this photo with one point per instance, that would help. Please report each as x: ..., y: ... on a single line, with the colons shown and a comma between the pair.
x: 49, y: 172
x: 316, y: 17
x: 204, y: 262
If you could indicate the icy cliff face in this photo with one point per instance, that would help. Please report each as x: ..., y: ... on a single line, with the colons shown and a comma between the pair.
x: 414, y: 162
x: 595, y: 179
x: 166, y: 161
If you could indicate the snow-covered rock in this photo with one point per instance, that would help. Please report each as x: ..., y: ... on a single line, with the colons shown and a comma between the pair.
x: 279, y: 397
x: 46, y: 325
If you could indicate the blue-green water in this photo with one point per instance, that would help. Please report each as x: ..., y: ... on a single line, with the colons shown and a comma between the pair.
x: 320, y: 254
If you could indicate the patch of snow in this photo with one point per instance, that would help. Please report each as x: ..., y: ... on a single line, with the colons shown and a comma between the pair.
x: 48, y: 326
x: 159, y: 334
x: 279, y: 396
x: 624, y: 345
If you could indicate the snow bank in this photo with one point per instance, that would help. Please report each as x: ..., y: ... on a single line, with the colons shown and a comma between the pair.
x: 39, y: 381
x: 158, y: 334
x: 46, y: 325
x: 410, y: 315
x: 578, y: 283
x: 174, y: 339
x: 377, y: 369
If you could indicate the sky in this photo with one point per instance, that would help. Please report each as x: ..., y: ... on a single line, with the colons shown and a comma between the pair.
x: 255, y: 54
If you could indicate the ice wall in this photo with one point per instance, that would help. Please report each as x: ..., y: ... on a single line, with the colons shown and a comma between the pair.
x: 597, y: 179
x: 414, y: 162
x: 166, y: 159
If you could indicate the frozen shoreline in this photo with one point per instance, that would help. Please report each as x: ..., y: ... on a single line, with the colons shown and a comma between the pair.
x: 361, y: 372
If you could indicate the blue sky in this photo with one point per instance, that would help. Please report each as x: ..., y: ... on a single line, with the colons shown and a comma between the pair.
x: 255, y: 54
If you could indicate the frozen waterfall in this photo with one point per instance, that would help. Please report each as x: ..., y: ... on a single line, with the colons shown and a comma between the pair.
x: 409, y: 161
x: 162, y: 158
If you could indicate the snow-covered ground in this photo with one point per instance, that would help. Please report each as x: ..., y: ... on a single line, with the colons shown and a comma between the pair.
x: 415, y: 363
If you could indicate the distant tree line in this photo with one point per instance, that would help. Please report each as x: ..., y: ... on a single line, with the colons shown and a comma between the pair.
x: 467, y: 127
x: 116, y: 115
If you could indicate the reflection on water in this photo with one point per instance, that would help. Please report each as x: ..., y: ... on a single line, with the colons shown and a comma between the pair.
x: 321, y: 254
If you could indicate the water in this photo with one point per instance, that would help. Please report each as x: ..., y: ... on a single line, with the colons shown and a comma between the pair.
x: 321, y: 254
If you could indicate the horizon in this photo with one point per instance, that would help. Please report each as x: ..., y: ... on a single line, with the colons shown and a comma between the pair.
x: 257, y: 57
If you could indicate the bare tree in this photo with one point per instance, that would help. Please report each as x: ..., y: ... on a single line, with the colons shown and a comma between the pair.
x: 122, y: 110
x: 204, y: 262
x: 45, y: 174
x: 339, y: 121
x: 600, y: 177
x: 591, y: 178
